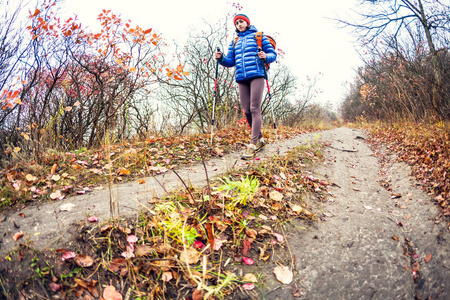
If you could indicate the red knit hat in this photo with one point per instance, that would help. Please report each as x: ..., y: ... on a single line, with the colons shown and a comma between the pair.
x: 242, y: 17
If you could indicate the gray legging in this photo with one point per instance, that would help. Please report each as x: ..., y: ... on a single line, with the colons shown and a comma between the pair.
x: 250, y: 94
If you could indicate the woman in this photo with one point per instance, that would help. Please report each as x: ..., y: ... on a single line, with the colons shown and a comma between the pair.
x: 245, y: 55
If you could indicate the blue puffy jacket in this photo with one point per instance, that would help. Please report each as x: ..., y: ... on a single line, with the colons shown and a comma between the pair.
x: 244, y: 56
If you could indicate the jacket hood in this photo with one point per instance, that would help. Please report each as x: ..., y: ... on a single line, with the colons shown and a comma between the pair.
x: 251, y: 30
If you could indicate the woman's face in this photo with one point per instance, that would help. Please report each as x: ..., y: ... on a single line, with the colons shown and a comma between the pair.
x: 241, y: 25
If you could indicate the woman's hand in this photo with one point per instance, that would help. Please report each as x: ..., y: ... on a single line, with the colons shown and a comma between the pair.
x: 218, y: 55
x: 262, y: 55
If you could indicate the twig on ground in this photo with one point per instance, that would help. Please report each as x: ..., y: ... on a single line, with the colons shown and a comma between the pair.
x: 343, y: 150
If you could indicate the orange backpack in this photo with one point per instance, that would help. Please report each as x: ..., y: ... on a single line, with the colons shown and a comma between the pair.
x: 258, y: 38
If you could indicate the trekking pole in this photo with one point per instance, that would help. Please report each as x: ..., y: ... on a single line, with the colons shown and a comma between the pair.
x: 215, y: 95
x: 270, y: 98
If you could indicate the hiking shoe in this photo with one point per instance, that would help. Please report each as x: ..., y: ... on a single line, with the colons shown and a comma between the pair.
x: 260, y: 144
x: 249, y: 153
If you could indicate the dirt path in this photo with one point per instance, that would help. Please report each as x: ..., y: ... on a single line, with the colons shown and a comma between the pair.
x: 365, y: 246
x: 354, y: 253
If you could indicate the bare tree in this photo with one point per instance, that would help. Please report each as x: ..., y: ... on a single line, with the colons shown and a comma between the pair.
x: 390, y: 20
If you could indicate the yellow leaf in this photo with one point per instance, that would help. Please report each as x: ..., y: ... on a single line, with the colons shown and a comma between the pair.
x: 16, y: 149
x: 124, y: 172
x: 133, y: 69
x: 18, y: 101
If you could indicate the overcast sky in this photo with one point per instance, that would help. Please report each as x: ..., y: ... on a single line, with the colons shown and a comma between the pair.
x: 312, y: 42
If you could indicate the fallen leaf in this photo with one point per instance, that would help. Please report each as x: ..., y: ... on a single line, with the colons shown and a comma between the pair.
x: 275, y: 196
x: 124, y: 172
x: 407, y: 217
x: 262, y: 253
x: 308, y: 213
x: 283, y: 274
x: 280, y: 237
x: 247, y: 245
x: 251, y: 233
x: 118, y: 263
x: 17, y: 235
x: 428, y: 258
x: 166, y: 276
x: 197, y: 295
x: 53, y: 169
x: 67, y: 207
x: 218, y: 242
x: 247, y: 260
x: 142, y: 250
x: 297, y: 208
x: 210, y: 234
x: 30, y: 178
x: 110, y: 293
x: 84, y: 261
x: 68, y: 255
x: 250, y: 277
x: 93, y: 219
x: 56, y: 177
x: 54, y: 287
x: 141, y: 181
x: 248, y: 286
x: 395, y: 238
x: 190, y: 256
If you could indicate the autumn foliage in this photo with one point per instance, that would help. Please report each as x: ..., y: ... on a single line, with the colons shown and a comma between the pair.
x: 72, y: 86
x: 426, y: 149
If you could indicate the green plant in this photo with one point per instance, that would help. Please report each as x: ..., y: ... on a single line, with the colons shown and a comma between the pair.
x: 243, y: 189
x: 72, y: 273
x: 173, y: 223
x: 41, y: 271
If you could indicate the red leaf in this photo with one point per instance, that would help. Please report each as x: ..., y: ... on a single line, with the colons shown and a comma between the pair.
x: 198, y: 245
x: 247, y: 260
x: 68, y: 255
x: 210, y: 235
x: 92, y: 219
x: 247, y: 246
